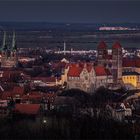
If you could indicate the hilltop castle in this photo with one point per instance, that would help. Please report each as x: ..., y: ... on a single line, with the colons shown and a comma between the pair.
x: 9, y: 57
x: 106, y: 72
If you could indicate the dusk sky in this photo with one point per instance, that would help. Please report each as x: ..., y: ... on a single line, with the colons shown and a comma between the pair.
x: 70, y: 11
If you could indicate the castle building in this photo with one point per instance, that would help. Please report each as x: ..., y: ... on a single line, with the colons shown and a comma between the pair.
x: 88, y: 77
x: 9, y: 57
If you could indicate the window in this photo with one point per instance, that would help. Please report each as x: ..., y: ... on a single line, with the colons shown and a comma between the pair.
x: 86, y: 77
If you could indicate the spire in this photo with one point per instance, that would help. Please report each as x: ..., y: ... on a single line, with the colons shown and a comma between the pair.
x: 4, y: 46
x: 14, y: 42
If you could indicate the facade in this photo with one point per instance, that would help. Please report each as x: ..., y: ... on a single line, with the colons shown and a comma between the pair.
x: 81, y: 77
x: 131, y: 72
x: 103, y: 77
x: 131, y: 78
x: 9, y: 56
x: 88, y: 77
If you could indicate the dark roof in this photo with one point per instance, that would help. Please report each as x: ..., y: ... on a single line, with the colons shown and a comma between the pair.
x: 29, y: 109
x: 100, y: 71
x: 130, y: 73
x: 127, y: 62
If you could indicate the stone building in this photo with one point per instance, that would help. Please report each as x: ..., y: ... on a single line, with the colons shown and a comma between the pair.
x: 112, y: 61
x: 88, y: 77
x: 80, y: 76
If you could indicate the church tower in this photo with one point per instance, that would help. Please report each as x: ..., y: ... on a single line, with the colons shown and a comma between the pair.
x: 102, y: 53
x: 14, y: 56
x: 9, y: 56
x: 117, y: 62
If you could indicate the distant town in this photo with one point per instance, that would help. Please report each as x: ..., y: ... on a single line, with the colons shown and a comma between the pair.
x: 66, y: 93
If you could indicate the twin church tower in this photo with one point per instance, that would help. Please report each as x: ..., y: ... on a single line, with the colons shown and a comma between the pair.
x: 9, y: 56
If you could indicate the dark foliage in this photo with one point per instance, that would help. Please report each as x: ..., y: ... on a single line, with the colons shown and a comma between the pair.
x: 102, y: 96
x: 83, y: 97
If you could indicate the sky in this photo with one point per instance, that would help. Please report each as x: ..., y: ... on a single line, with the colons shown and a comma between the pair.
x: 70, y: 11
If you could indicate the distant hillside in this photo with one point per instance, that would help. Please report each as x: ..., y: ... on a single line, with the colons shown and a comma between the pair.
x: 61, y: 26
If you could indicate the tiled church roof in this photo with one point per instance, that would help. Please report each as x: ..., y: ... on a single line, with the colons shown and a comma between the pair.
x: 100, y: 71
x: 102, y: 45
x: 116, y: 45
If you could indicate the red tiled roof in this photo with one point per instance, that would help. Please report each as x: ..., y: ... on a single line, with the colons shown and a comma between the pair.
x: 74, y: 71
x: 131, y: 62
x: 5, y: 95
x: 28, y: 109
x: 117, y: 45
x: 18, y: 90
x: 128, y: 63
x: 137, y: 61
x: 102, y: 45
x: 100, y: 71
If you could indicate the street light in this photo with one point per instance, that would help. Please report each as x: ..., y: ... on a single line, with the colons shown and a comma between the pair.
x: 44, y: 121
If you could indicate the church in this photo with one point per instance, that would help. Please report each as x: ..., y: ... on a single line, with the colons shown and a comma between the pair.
x: 9, y: 56
x: 112, y: 61
x: 106, y: 72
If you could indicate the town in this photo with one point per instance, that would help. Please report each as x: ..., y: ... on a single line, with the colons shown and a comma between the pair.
x: 59, y: 89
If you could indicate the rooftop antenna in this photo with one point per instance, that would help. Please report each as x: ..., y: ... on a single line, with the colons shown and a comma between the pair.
x: 64, y: 48
x: 4, y: 40
x: 14, y: 41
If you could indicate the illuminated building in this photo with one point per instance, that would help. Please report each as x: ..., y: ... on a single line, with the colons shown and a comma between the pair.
x: 131, y: 78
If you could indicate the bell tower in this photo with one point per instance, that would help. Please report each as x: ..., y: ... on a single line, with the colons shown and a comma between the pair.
x: 102, y: 53
x: 117, y: 62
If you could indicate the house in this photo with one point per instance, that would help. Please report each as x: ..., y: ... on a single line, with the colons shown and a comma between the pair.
x: 4, y: 108
x: 131, y: 65
x: 27, y: 109
x: 119, y: 111
x: 132, y: 78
